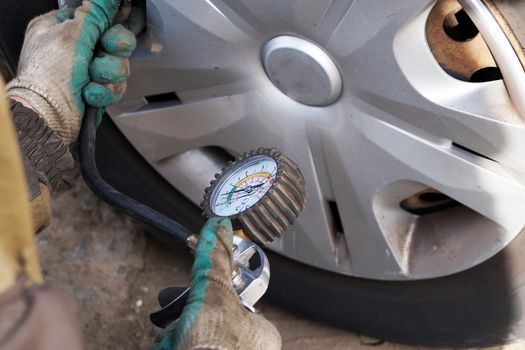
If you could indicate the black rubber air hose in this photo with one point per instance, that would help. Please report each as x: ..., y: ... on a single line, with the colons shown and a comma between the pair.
x: 87, y: 140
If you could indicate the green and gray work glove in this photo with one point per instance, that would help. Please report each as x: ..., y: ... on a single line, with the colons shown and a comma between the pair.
x: 58, y: 73
x: 214, y: 318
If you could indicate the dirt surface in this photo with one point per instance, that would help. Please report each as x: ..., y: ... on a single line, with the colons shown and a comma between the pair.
x: 115, y: 270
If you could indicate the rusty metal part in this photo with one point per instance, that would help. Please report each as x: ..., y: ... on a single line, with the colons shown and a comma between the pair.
x: 240, y: 233
x: 192, y: 242
x: 427, y: 201
x: 461, y: 59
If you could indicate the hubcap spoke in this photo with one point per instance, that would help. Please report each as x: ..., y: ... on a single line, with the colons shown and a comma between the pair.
x: 394, y: 170
x: 354, y: 178
x: 167, y: 131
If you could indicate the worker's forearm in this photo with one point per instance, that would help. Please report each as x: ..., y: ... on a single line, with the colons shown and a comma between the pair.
x: 48, y: 162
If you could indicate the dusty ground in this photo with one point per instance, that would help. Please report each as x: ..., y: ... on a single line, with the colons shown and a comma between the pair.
x: 115, y: 269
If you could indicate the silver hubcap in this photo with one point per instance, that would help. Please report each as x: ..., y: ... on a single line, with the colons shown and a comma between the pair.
x: 400, y: 125
x: 302, y: 70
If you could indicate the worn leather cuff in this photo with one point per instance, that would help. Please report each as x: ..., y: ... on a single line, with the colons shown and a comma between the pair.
x: 46, y: 155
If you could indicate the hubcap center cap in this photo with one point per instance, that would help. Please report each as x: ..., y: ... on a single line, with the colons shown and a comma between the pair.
x: 302, y: 70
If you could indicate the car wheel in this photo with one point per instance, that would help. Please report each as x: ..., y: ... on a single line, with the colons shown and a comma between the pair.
x: 406, y: 120
x: 478, y: 307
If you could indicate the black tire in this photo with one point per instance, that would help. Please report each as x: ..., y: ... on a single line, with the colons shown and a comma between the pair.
x: 478, y: 307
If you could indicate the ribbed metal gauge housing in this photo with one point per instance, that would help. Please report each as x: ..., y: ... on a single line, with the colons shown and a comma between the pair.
x: 278, y: 207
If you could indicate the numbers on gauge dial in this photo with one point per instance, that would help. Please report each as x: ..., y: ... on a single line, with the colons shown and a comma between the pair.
x: 244, y: 186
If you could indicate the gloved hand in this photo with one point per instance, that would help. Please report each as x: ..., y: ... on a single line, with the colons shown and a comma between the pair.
x: 213, y: 318
x: 57, y: 75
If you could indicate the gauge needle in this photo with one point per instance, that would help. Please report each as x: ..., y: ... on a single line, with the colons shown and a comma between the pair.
x: 243, y: 189
x: 223, y: 203
x: 246, y: 195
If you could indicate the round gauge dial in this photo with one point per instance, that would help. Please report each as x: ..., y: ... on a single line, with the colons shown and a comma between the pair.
x: 244, y: 186
x: 263, y: 192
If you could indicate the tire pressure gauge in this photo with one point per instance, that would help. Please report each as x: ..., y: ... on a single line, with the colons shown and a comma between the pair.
x: 262, y: 191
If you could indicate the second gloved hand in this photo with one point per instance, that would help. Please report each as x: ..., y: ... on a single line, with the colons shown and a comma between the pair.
x: 58, y: 74
x: 213, y: 317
